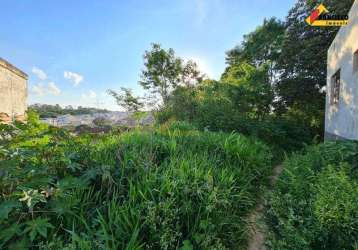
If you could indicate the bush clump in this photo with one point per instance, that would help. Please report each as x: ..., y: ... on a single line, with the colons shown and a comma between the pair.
x: 315, y: 204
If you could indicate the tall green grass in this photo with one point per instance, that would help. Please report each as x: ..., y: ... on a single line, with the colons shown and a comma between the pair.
x: 170, y: 188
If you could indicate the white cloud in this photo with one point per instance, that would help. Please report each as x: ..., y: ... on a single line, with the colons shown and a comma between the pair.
x: 38, y: 89
x: 53, y: 89
x: 90, y: 95
x: 75, y: 78
x: 49, y: 89
x: 39, y: 73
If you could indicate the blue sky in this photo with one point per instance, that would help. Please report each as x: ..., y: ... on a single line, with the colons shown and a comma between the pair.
x: 73, y: 51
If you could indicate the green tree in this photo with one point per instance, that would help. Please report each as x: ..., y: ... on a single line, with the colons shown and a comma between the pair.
x: 162, y: 71
x: 126, y: 100
x: 191, y: 75
x: 241, y: 96
x: 248, y: 89
x: 262, y: 46
x: 183, y: 103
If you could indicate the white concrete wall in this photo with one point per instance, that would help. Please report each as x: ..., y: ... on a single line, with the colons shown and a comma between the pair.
x: 13, y: 90
x: 341, y: 120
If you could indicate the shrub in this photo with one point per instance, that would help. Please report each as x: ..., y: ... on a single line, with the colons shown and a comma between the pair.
x: 182, y: 126
x: 281, y: 133
x: 315, y: 203
x: 242, y: 106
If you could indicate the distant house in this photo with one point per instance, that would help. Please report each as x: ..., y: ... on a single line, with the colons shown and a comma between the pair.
x: 341, y: 121
x: 13, y: 92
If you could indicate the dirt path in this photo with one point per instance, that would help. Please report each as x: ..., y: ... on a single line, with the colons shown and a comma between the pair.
x: 258, y: 228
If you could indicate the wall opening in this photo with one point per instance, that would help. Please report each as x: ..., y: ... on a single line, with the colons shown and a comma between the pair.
x: 355, y: 62
x: 335, y: 87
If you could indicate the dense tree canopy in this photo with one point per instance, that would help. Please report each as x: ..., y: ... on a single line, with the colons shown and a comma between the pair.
x: 303, y: 59
x: 260, y: 46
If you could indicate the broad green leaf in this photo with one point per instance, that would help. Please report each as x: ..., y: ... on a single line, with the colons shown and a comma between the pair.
x: 6, y: 207
x: 38, y: 226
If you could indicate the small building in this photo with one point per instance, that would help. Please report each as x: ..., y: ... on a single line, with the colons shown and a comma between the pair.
x: 13, y: 93
x: 341, y: 118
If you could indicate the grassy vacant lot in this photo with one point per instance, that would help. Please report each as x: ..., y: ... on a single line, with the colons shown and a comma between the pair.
x: 315, y: 204
x: 170, y: 188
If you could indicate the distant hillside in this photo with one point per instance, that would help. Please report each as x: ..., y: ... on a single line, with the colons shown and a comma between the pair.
x: 53, y: 111
x: 109, y: 118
